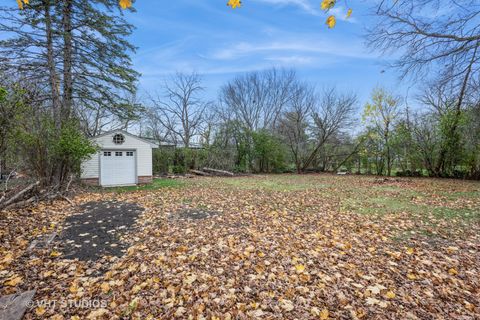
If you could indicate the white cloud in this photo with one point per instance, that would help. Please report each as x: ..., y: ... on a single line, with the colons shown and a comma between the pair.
x: 305, y: 5
x: 291, y: 60
x: 299, y: 46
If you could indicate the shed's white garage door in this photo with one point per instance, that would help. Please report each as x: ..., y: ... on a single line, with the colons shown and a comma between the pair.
x: 117, y: 167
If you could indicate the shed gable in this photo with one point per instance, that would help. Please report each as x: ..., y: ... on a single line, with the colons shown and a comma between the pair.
x: 106, y: 141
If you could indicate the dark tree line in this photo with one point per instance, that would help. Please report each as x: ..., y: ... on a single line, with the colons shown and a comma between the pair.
x: 318, y: 130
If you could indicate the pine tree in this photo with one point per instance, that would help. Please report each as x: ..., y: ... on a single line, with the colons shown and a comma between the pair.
x: 77, y: 50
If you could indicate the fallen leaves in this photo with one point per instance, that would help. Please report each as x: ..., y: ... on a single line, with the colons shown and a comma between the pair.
x: 271, y: 253
x: 324, y: 314
x: 286, y: 305
x: 190, y: 279
x: 376, y: 289
x: 105, y: 287
x: 300, y: 268
x: 453, y: 271
x: 411, y: 276
x: 40, y: 311
x: 55, y: 254
x: 13, y: 281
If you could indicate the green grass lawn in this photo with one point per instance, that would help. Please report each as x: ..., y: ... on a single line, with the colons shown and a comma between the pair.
x: 155, y: 185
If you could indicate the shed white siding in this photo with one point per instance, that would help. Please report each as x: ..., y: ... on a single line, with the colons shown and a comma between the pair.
x: 142, y: 148
x: 91, y: 167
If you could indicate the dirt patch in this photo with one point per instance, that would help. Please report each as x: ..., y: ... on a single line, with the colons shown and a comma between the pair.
x: 97, y: 230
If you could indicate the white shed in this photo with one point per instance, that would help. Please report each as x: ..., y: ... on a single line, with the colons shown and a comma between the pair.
x: 123, y: 159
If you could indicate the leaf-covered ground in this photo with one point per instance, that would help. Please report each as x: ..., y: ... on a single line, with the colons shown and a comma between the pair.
x: 268, y: 247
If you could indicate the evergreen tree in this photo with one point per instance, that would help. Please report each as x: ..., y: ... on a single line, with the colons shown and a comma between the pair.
x: 78, y: 50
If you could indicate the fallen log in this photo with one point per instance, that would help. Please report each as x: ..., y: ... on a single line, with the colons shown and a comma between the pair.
x: 219, y: 172
x: 200, y: 173
x: 19, y: 195
x: 20, y: 204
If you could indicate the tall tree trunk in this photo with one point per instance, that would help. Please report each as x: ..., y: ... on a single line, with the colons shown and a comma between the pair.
x: 313, y: 154
x: 67, y: 60
x: 55, y: 95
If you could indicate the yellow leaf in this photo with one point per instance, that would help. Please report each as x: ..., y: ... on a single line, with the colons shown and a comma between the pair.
x: 452, y: 249
x: 47, y: 274
x: 20, y: 4
x: 331, y: 22
x: 328, y: 4
x: 410, y: 250
x: 453, y: 271
x: 136, y: 289
x: 39, y: 311
x: 73, y: 288
x: 300, y: 268
x: 349, y: 13
x: 390, y: 295
x: 411, y: 276
x: 124, y: 4
x: 7, y: 259
x: 13, y: 281
x: 324, y: 314
x: 74, y: 318
x: 55, y: 254
x: 234, y: 4
x: 105, y: 287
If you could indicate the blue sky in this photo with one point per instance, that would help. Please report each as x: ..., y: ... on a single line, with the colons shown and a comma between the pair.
x: 212, y: 39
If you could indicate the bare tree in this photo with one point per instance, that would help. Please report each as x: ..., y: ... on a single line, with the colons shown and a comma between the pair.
x: 96, y: 118
x: 256, y: 99
x: 431, y: 35
x: 332, y: 115
x: 294, y: 122
x: 426, y: 140
x: 180, y: 109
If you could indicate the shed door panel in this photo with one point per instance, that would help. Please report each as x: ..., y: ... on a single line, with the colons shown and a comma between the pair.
x: 117, y: 167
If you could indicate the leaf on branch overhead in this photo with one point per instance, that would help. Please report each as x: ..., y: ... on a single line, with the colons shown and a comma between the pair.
x: 349, y: 13
x: 21, y: 3
x: 331, y: 22
x: 327, y: 4
x: 234, y: 4
x: 124, y: 4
